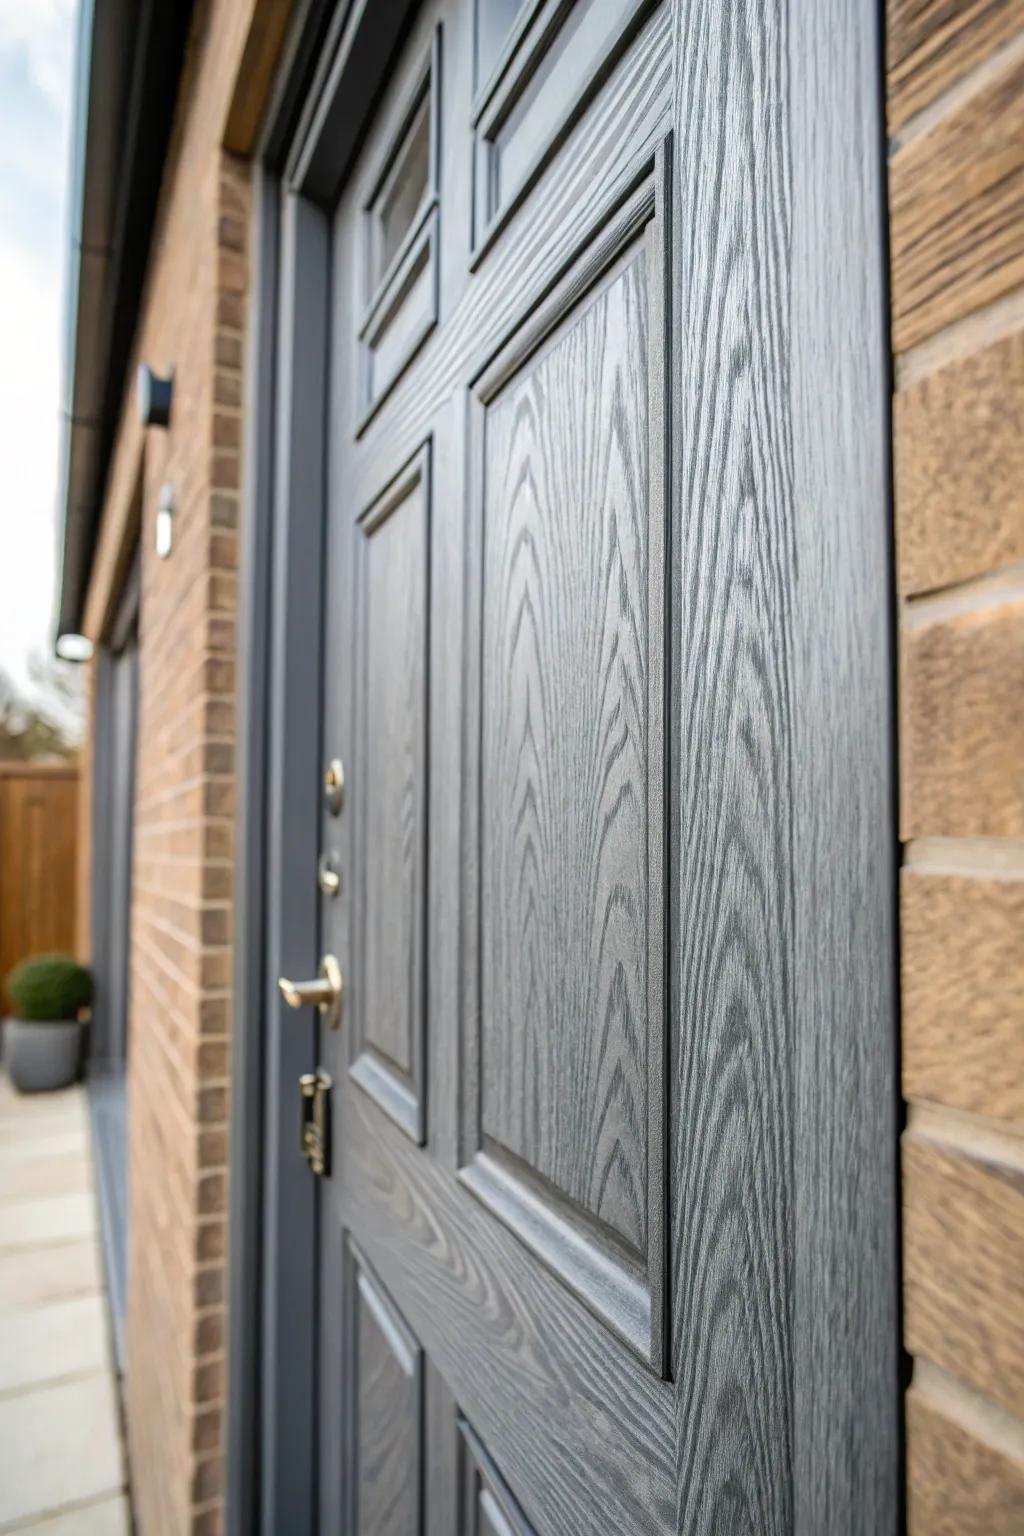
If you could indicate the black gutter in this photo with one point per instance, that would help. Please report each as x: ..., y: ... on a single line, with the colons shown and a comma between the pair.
x: 128, y: 67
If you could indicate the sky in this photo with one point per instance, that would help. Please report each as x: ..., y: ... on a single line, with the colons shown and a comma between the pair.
x: 36, y: 57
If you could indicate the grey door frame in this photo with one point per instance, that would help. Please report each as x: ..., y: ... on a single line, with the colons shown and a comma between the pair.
x: 112, y: 813
x: 789, y: 807
x: 334, y: 54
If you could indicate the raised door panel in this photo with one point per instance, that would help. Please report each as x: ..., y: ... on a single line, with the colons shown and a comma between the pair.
x: 386, y: 1411
x: 566, y: 1053
x: 392, y: 608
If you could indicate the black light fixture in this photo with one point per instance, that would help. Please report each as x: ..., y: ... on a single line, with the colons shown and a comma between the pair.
x: 154, y: 397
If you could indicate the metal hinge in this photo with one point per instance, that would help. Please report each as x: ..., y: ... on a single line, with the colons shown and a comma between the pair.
x: 315, y: 1109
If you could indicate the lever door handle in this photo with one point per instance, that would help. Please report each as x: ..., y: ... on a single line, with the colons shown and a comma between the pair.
x: 323, y: 992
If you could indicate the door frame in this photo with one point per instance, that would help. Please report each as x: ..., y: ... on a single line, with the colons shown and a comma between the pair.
x: 112, y: 818
x: 333, y: 57
x: 824, y: 807
x: 110, y: 925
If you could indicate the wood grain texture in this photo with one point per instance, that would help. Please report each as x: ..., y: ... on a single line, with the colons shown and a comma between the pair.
x: 784, y: 1226
x: 442, y: 1473
x: 628, y: 120
x: 532, y: 1368
x: 842, y: 756
x: 963, y: 992
x: 959, y: 1481
x: 565, y: 814
x: 732, y: 1194
x: 931, y: 44
x: 391, y: 735
x: 956, y: 207
x: 565, y: 360
x: 779, y: 1416
x: 958, y: 447
x: 963, y: 1265
x: 386, y: 1380
x: 38, y: 868
x: 594, y: 1450
x: 487, y: 1507
x: 962, y: 675
x: 542, y: 88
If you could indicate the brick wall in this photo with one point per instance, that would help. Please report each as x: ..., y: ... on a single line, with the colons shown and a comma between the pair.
x: 956, y: 121
x: 181, y: 961
x: 192, y: 322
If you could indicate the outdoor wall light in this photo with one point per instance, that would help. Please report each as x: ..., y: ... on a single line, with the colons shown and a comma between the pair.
x: 154, y: 397
x: 165, y: 522
x: 74, y: 647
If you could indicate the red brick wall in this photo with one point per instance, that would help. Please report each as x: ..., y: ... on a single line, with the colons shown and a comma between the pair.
x: 181, y: 970
x: 192, y: 322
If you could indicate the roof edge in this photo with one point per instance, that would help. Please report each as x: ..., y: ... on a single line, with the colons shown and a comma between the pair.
x: 129, y: 58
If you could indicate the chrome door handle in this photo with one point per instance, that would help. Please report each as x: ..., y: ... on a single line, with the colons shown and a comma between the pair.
x: 323, y: 992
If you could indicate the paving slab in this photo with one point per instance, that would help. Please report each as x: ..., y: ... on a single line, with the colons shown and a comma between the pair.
x: 65, y: 1338
x: 60, y: 1447
x: 62, y: 1467
x: 63, y: 1173
x: 105, y: 1517
x: 33, y: 1277
x: 65, y: 1108
x: 45, y: 1141
x: 27, y: 1223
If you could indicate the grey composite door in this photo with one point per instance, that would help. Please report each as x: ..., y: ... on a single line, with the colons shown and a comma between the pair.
x: 560, y: 1283
x: 495, y: 675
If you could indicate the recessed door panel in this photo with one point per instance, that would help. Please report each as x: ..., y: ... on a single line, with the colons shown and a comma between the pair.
x: 566, y: 1133
x: 565, y: 812
x: 488, y: 1508
x: 392, y: 604
x: 386, y: 1416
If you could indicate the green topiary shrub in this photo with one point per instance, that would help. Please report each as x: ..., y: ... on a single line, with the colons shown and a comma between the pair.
x: 49, y: 989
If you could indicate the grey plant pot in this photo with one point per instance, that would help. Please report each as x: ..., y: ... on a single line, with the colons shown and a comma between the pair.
x: 42, y: 1056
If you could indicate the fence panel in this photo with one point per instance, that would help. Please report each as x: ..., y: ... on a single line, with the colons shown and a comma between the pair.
x: 38, y: 836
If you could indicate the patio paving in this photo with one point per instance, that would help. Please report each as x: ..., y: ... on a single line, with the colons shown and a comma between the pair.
x: 62, y: 1469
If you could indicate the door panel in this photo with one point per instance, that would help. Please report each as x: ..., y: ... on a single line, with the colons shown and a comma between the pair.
x: 564, y: 814
x: 400, y: 253
x: 488, y: 1507
x: 595, y: 1443
x: 385, y: 1378
x: 555, y: 61
x: 392, y: 663
x: 565, y: 1134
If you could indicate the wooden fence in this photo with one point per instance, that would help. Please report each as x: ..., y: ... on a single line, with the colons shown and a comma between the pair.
x: 38, y: 849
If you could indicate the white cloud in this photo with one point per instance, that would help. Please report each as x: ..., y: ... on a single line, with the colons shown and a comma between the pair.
x: 44, y: 31
x: 29, y: 439
x: 36, y: 47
